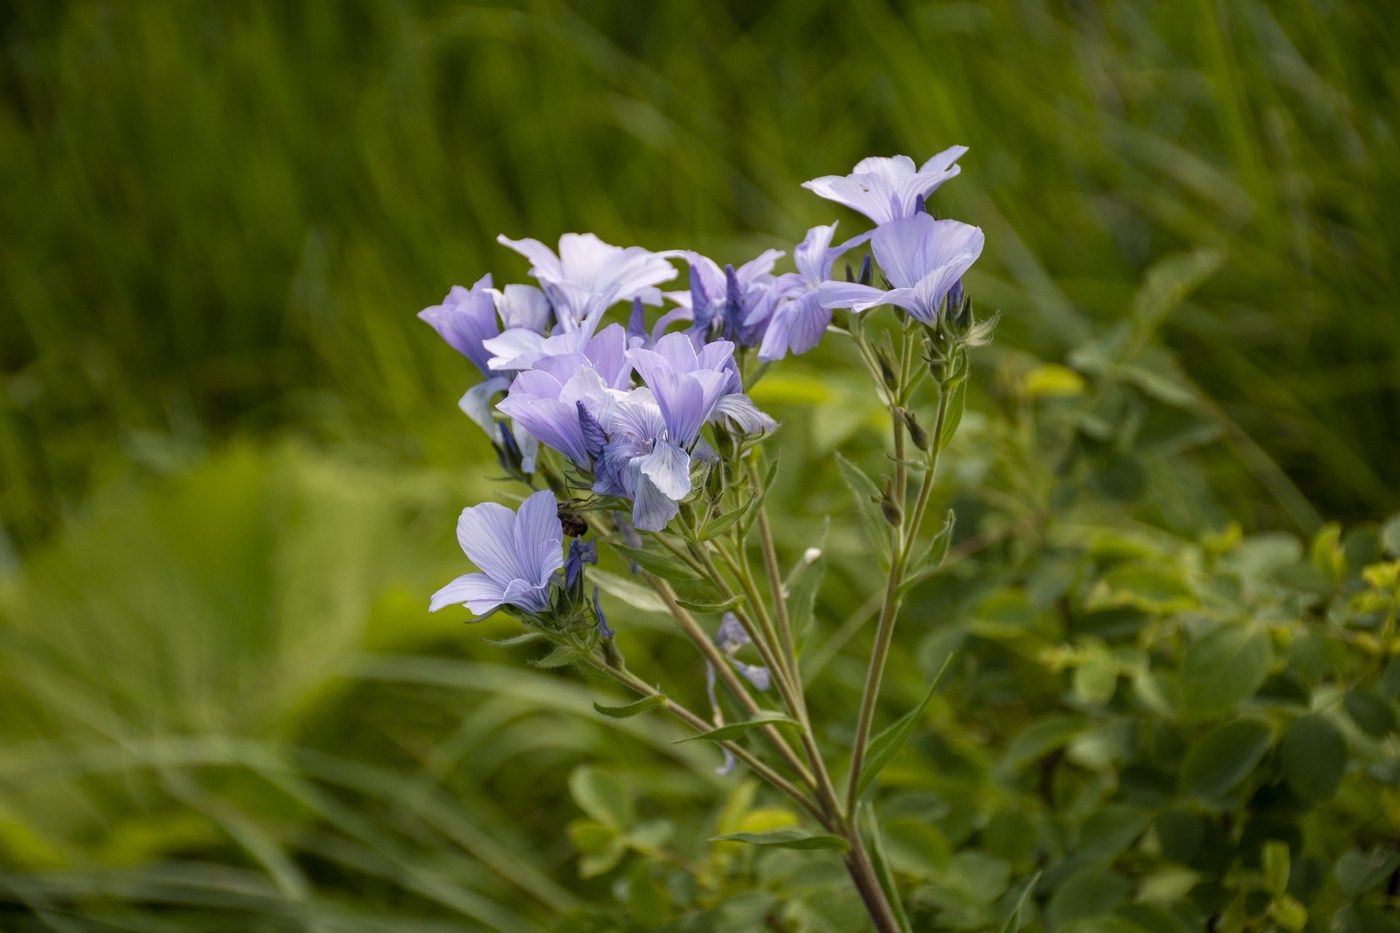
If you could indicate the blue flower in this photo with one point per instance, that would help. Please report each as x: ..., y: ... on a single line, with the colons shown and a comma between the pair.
x: 517, y: 552
x: 923, y: 259
x: 886, y: 189
x: 466, y: 319
x: 799, y: 321
x: 587, y: 276
x: 734, y: 304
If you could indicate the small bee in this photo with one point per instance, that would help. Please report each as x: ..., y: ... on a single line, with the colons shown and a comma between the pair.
x: 574, y: 525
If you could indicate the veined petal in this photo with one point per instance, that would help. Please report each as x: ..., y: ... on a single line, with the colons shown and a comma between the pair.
x: 809, y: 255
x: 900, y: 247
x: 741, y: 413
x: 486, y: 533
x: 552, y: 422
x: 515, y: 349
x: 543, y: 263
x: 775, y: 339
x: 668, y: 468
x: 523, y: 306
x: 476, y: 591
x: 532, y: 597
x: 848, y: 295
x: 651, y: 508
x: 476, y: 404
x: 539, y: 537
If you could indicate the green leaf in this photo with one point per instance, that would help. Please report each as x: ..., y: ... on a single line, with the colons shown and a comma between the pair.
x: 1040, y: 738
x: 1096, y: 677
x: 560, y: 656
x: 1390, y: 536
x: 927, y: 563
x: 1222, y: 758
x: 663, y: 563
x: 867, y: 496
x: 515, y: 641
x: 1224, y: 668
x: 736, y: 729
x: 1167, y: 282
x: 655, y: 701
x: 702, y: 597
x: 1013, y: 917
x: 634, y: 594
x: 600, y: 847
x: 602, y: 796
x: 1371, y: 713
x: 787, y: 839
x: 1313, y: 757
x: 953, y: 416
x: 881, y: 863
x: 1150, y: 587
x: 802, y: 586
x: 890, y: 740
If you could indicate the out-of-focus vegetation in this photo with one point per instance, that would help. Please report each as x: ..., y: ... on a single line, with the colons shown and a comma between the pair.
x: 230, y: 461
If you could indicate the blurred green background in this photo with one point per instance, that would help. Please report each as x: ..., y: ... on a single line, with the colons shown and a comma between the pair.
x: 230, y: 456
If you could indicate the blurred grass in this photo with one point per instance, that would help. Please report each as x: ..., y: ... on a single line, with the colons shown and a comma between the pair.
x: 230, y: 454
x: 219, y: 217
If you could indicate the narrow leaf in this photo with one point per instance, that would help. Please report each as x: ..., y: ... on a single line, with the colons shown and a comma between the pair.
x: 655, y: 701
x: 1013, y: 919
x: 953, y: 416
x: 515, y: 641
x: 664, y: 564
x: 736, y: 729
x: 881, y: 863
x: 890, y: 740
x: 867, y: 496
x: 630, y: 592
x: 803, y: 584
x: 787, y: 839
x: 560, y: 656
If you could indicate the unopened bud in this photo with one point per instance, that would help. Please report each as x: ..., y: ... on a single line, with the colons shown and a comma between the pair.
x: 891, y: 511
x: 916, y: 431
x: 867, y: 271
x: 887, y: 372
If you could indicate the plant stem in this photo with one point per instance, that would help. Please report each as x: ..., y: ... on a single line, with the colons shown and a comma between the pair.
x: 698, y: 723
x: 775, y: 583
x: 879, y: 654
x: 867, y: 883
x: 725, y: 673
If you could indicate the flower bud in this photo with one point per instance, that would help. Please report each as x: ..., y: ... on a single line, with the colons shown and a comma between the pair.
x: 916, y: 431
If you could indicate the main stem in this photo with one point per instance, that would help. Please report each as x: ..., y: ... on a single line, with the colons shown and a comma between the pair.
x: 884, y: 631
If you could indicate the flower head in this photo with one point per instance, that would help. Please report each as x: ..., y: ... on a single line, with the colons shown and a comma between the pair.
x: 517, y: 552
x: 588, y: 275
x: 923, y: 259
x: 799, y: 320
x: 731, y: 303
x: 886, y: 189
x: 466, y: 319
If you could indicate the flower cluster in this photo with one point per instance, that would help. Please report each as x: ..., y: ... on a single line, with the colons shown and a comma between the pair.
x: 627, y: 407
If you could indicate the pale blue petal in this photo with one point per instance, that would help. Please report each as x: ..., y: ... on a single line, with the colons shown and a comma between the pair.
x: 848, y: 295
x: 543, y: 263
x: 476, y: 404
x: 742, y: 415
x: 476, y: 591
x: 531, y: 597
x: 668, y: 468
x: 651, y: 508
x: 486, y: 533
x: 539, y: 537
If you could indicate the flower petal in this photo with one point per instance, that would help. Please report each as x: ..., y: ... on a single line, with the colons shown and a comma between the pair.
x: 668, y: 468
x: 476, y: 591
x: 486, y: 533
